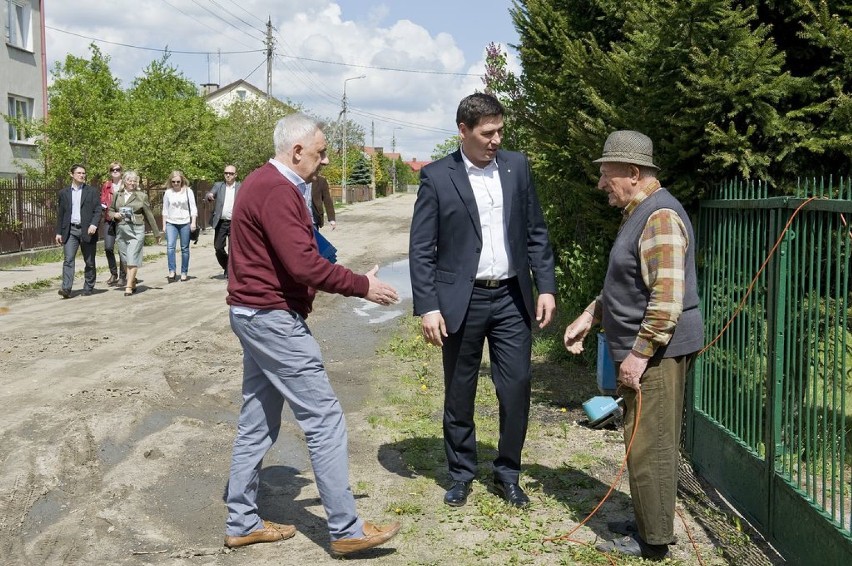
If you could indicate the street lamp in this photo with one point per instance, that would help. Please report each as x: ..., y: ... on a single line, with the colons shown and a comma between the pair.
x: 393, y: 150
x: 343, y: 177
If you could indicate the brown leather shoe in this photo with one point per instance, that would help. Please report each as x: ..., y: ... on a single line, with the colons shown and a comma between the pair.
x: 373, y: 536
x: 270, y: 532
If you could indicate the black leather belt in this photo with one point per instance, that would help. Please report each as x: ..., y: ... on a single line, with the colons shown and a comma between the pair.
x: 491, y: 283
x: 75, y: 225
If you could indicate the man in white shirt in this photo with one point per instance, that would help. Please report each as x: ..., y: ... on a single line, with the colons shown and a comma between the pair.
x: 478, y: 243
x: 224, y: 193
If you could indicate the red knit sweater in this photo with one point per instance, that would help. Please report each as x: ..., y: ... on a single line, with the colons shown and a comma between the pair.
x: 274, y: 262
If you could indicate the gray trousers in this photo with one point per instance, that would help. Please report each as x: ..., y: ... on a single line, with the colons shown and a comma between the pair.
x: 72, y: 244
x: 282, y: 362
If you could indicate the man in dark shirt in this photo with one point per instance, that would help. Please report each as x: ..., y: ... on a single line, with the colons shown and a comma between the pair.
x: 274, y: 270
x: 77, y: 227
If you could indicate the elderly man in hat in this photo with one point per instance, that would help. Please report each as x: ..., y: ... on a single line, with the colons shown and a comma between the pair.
x: 649, y: 311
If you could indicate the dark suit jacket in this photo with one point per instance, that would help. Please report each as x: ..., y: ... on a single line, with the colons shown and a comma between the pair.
x: 220, y: 202
x: 90, y: 212
x: 446, y: 236
x: 321, y: 196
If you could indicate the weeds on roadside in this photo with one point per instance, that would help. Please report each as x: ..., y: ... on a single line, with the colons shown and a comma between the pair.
x: 560, y: 474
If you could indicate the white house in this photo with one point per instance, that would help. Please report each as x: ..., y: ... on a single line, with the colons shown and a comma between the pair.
x: 219, y: 98
x: 23, y: 80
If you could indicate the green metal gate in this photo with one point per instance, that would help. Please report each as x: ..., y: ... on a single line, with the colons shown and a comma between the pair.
x: 769, y: 418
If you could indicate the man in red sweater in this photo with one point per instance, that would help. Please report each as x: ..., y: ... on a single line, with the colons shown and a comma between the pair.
x: 274, y: 271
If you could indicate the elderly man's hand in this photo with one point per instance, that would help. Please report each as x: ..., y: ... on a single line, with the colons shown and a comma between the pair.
x: 379, y: 291
x: 631, y: 370
x: 576, y: 332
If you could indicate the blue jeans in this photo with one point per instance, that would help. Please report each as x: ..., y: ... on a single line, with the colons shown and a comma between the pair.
x: 172, y: 231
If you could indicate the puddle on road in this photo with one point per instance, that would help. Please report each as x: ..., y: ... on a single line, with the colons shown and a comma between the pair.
x: 397, y: 275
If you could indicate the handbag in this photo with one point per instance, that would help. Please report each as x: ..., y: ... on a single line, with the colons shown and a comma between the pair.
x: 193, y: 234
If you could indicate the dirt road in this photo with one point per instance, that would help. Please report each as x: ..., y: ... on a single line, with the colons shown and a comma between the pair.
x: 117, y: 413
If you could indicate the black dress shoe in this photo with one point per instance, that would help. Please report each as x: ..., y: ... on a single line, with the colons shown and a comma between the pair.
x: 456, y: 496
x: 512, y: 493
x: 87, y: 292
x: 65, y: 293
x: 634, y: 546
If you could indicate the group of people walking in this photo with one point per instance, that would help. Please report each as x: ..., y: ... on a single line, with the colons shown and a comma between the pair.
x: 123, y: 211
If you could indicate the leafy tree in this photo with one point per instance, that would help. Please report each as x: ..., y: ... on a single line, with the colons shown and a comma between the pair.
x: 381, y: 167
x: 86, y: 109
x: 446, y: 147
x: 170, y: 126
x: 244, y: 134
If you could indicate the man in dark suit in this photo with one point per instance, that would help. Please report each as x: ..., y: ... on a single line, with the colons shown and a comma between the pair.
x: 478, y: 243
x: 321, y: 197
x: 77, y: 221
x: 224, y: 193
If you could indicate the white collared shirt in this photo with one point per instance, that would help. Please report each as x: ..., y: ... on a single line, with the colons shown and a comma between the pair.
x: 294, y: 178
x: 494, y: 263
x: 76, y: 201
x: 228, y: 205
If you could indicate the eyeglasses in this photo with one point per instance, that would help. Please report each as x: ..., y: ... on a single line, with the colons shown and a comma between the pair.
x: 230, y: 172
x: 115, y: 170
x: 175, y: 181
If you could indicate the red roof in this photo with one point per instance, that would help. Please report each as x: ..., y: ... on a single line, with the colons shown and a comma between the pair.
x: 417, y: 165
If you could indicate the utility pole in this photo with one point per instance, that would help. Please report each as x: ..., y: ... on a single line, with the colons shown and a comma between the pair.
x: 393, y: 150
x: 270, y: 43
x: 345, y: 141
x: 373, y: 161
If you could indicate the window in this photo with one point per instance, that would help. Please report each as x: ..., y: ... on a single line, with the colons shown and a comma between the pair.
x: 19, y: 26
x: 22, y: 109
x: 241, y: 94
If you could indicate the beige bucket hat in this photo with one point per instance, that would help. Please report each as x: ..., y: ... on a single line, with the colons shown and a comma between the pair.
x: 628, y: 146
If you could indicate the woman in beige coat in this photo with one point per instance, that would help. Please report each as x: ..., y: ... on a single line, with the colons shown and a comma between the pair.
x: 130, y: 208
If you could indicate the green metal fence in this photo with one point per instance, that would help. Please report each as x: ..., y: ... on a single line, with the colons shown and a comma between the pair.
x: 770, y: 412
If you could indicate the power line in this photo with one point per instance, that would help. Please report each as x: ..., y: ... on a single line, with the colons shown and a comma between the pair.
x: 395, y: 69
x: 237, y: 17
x: 98, y: 40
x: 247, y: 12
x: 255, y: 69
x: 224, y: 20
x: 196, y: 20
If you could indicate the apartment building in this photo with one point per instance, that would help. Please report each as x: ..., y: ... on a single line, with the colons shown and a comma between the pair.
x: 23, y: 81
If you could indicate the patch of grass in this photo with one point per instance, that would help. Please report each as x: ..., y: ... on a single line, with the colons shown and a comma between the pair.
x: 48, y: 255
x: 561, y: 463
x: 36, y: 285
x: 404, y: 508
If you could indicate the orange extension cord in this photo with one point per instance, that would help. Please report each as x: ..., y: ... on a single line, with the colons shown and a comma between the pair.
x: 567, y: 536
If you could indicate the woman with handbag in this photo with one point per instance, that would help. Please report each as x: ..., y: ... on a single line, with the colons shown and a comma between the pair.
x: 117, y: 274
x: 179, y: 219
x: 130, y: 209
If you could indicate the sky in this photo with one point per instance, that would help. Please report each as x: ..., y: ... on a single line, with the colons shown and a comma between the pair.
x: 419, y: 58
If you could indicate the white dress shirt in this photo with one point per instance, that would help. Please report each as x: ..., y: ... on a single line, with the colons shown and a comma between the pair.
x: 494, y: 263
x: 228, y: 205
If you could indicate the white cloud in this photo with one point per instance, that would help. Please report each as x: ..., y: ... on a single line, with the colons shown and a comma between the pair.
x: 305, y: 30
